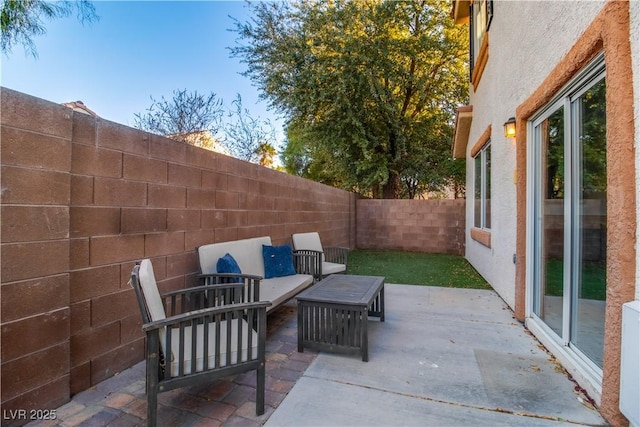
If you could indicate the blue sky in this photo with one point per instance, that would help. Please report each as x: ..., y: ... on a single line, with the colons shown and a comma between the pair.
x: 136, y: 50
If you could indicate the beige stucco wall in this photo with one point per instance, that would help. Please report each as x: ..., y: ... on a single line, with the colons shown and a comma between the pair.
x: 551, y: 30
x: 560, y: 44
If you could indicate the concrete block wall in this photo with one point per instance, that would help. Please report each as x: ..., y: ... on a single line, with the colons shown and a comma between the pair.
x: 82, y: 199
x: 35, y: 193
x: 435, y: 226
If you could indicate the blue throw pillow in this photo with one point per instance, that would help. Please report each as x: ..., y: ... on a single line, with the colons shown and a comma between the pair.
x: 227, y: 264
x: 278, y: 261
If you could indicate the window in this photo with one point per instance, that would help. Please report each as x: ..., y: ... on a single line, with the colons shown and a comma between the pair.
x: 480, y: 16
x: 482, y: 188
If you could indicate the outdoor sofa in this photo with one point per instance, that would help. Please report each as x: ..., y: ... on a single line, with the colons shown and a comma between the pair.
x: 269, y: 273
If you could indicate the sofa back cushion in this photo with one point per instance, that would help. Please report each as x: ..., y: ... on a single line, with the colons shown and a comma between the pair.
x: 308, y: 241
x: 246, y: 252
x: 150, y: 291
x: 152, y: 298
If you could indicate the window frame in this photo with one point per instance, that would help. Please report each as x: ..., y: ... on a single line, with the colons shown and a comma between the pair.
x: 484, y: 155
x: 479, y: 46
x: 482, y: 151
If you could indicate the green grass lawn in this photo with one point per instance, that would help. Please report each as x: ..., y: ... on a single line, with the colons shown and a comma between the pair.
x: 414, y: 268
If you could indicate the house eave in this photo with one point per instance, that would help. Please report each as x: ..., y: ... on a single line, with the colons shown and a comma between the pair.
x: 464, y: 116
x: 460, y: 11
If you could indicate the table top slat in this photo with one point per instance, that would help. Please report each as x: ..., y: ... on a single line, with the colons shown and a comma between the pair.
x: 344, y: 289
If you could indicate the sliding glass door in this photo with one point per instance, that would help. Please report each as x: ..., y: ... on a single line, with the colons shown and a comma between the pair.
x: 569, y: 238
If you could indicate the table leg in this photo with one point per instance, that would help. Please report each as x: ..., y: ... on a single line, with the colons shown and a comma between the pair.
x: 382, y: 303
x: 300, y: 328
x: 364, y: 337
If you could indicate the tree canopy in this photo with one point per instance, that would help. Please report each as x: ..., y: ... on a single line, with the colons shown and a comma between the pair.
x: 185, y: 115
x: 204, y: 121
x: 247, y: 137
x: 21, y: 20
x: 369, y: 88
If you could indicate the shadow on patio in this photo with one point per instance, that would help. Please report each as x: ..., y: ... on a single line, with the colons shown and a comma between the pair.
x: 442, y: 357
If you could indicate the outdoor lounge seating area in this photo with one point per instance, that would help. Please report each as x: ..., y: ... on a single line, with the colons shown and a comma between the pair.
x: 219, y: 329
x: 200, y: 334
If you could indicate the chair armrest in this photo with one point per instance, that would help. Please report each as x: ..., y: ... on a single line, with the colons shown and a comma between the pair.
x: 202, y: 289
x: 336, y: 254
x: 307, y: 261
x: 251, y: 283
x: 200, y: 315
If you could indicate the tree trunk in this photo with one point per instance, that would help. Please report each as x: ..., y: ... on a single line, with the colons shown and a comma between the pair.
x: 391, y: 190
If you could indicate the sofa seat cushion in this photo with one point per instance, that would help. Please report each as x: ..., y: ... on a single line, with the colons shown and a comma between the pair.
x: 281, y: 289
x: 332, y: 268
x: 225, y: 358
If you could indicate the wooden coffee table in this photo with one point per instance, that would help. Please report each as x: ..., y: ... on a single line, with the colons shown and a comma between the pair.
x: 333, y: 314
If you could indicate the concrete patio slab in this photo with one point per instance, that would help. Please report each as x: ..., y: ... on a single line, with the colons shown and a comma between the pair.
x: 442, y: 357
x: 352, y: 405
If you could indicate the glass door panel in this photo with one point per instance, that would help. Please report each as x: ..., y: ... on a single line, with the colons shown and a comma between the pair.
x: 549, y: 289
x: 589, y: 290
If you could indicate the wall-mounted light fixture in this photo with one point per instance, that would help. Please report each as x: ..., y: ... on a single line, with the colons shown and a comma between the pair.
x: 510, y: 128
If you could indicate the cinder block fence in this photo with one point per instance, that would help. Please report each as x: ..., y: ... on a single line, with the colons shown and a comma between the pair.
x: 435, y: 226
x: 83, y: 198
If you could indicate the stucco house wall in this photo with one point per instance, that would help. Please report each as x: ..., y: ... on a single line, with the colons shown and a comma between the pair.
x: 534, y: 50
x: 504, y: 84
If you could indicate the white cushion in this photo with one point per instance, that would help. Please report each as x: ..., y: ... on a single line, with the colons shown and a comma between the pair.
x: 225, y: 358
x: 308, y: 241
x: 246, y: 252
x: 332, y: 268
x: 152, y: 296
x: 311, y: 241
x: 281, y: 289
x: 150, y: 290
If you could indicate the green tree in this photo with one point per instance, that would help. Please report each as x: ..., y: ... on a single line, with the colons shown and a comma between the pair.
x: 302, y: 158
x: 369, y: 87
x: 21, y: 20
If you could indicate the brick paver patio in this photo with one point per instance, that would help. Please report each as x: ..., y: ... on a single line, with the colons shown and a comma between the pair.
x: 121, y: 400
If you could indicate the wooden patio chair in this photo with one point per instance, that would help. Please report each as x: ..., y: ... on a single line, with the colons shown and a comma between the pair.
x: 198, y: 335
x: 333, y: 259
